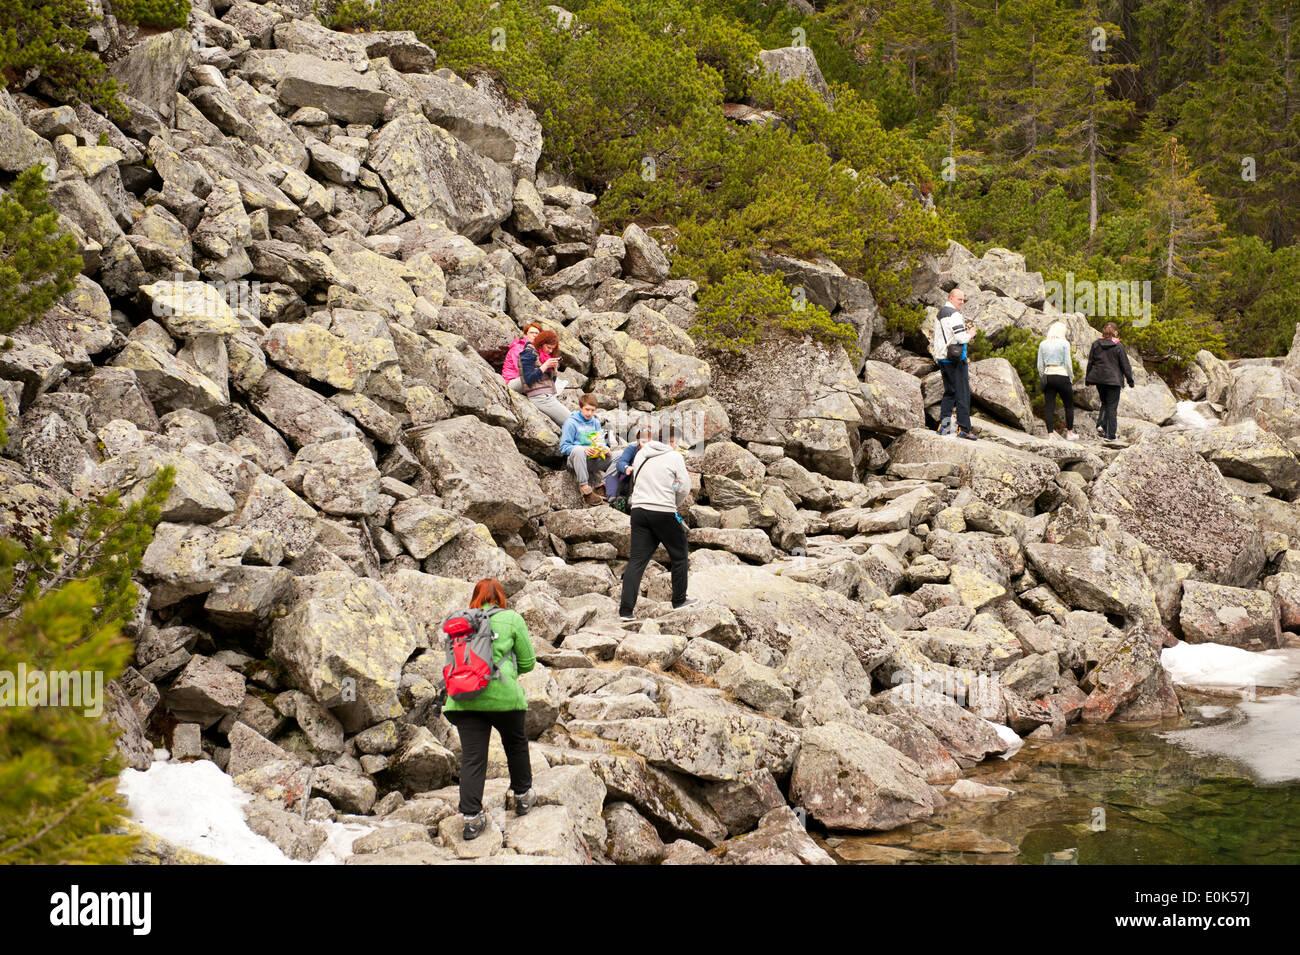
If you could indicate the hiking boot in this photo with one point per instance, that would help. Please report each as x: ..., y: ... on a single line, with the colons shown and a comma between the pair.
x: 968, y: 435
x: 945, y: 429
x: 688, y: 602
x: 474, y: 826
x: 525, y: 801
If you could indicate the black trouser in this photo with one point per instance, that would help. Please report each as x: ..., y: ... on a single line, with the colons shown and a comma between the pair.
x: 475, y: 729
x: 1108, y: 417
x: 956, y: 390
x: 1054, y: 385
x: 650, y: 529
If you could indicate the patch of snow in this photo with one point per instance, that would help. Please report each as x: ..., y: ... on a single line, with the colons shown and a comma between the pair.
x: 1011, y: 738
x: 1186, y: 416
x: 1261, y: 737
x: 1216, y: 666
x: 197, y: 806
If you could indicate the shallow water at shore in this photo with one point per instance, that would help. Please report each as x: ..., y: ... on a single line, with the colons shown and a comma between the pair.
x: 1138, y: 794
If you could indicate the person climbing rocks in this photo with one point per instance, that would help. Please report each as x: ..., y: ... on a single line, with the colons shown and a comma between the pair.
x: 1056, y: 375
x: 949, y: 340
x: 510, y: 368
x: 538, y: 366
x: 502, y: 706
x: 660, y: 486
x: 584, y: 447
x: 1109, y: 370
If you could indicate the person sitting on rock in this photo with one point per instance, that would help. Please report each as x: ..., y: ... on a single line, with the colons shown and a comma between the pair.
x: 660, y: 486
x: 510, y: 370
x: 619, y: 475
x: 582, y: 444
x: 1056, y: 374
x: 538, y: 365
x: 502, y: 706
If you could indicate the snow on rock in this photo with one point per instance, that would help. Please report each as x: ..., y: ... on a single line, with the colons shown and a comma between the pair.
x: 1011, y: 738
x: 1212, y: 666
x: 1186, y: 415
x: 197, y: 806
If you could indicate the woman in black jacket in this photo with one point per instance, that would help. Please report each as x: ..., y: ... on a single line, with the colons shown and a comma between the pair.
x: 1108, y: 369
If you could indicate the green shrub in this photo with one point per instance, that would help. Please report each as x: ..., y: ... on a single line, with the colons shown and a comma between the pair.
x: 63, y: 601
x: 50, y: 35
x: 629, y: 95
x: 168, y: 14
x: 742, y: 309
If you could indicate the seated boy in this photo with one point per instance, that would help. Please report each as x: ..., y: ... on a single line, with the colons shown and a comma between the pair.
x: 584, y: 448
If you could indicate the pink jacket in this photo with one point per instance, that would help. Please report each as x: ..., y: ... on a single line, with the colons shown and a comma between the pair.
x: 510, y: 370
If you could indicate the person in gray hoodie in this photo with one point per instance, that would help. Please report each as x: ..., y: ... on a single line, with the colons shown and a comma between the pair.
x: 660, y: 486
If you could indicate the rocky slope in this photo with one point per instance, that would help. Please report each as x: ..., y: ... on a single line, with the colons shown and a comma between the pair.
x: 299, y: 249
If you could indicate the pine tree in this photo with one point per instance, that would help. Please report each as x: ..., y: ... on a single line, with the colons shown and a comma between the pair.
x: 1241, y: 123
x: 1184, y: 233
x: 37, y: 264
x: 64, y: 598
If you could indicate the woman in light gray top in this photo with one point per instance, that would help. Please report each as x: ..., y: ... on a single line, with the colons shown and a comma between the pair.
x: 1056, y: 373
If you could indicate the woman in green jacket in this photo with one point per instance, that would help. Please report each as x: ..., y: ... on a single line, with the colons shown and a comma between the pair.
x: 501, y: 705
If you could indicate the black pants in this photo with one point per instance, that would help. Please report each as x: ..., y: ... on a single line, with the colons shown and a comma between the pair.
x: 475, y: 729
x: 1108, y: 417
x: 1054, y: 385
x: 956, y: 390
x: 650, y: 529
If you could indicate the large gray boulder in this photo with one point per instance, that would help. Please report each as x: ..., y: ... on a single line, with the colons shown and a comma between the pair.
x: 1093, y: 578
x: 151, y: 71
x: 1210, y: 613
x: 348, y: 96
x: 1002, y: 477
x: 847, y: 779
x: 1171, y: 498
x: 481, y: 118
x: 479, y: 474
x: 811, y: 403
x: 1247, y: 451
x: 776, y: 610
x: 432, y: 174
x: 707, y: 744
x: 995, y: 386
x: 343, y: 639
x: 1269, y: 396
x: 790, y: 63
x: 892, y: 398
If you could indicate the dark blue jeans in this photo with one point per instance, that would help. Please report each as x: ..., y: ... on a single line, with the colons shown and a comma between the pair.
x: 1108, y: 417
x: 956, y: 390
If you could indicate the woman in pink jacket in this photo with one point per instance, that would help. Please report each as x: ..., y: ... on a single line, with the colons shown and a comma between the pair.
x: 510, y: 370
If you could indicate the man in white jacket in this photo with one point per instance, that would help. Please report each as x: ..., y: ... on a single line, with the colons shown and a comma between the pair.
x: 660, y: 486
x: 952, y: 331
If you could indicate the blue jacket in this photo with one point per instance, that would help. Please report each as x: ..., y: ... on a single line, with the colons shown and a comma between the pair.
x: 575, y: 429
x: 625, y: 459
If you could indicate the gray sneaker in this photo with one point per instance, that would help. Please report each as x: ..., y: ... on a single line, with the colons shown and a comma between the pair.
x: 525, y: 801
x: 688, y: 602
x: 474, y: 826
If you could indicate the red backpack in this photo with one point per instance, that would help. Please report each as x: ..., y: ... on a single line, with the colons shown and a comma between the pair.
x: 470, y: 667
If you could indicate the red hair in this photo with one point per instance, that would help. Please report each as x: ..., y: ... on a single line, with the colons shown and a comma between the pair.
x: 547, y: 340
x: 488, y: 591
